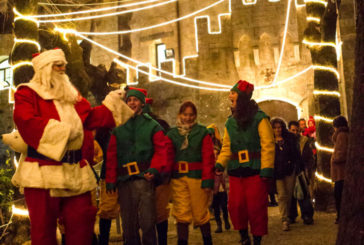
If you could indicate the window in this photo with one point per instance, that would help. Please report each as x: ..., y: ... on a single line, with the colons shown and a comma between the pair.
x: 161, y: 55
x: 6, y: 75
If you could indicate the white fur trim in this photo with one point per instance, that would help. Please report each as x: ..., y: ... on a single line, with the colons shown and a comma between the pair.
x: 62, y: 180
x: 54, y: 139
x: 15, y: 142
x: 119, y: 109
x: 69, y: 115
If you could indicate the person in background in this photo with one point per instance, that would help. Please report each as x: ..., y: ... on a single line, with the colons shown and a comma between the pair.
x: 311, y: 130
x: 248, y: 154
x: 302, y: 125
x: 338, y: 159
x: 308, y: 162
x: 192, y: 176
x: 220, y: 200
x: 137, y: 153
x: 287, y: 164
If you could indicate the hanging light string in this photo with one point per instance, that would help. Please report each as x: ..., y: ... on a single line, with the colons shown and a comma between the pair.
x: 153, y: 26
x: 321, y: 177
x: 106, y: 15
x: 94, y: 10
x: 283, y: 41
x: 82, y: 4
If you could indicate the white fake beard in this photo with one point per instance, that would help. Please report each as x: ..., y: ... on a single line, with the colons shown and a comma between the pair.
x: 61, y: 87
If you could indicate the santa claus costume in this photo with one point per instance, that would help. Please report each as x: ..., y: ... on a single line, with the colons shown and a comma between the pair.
x: 51, y: 117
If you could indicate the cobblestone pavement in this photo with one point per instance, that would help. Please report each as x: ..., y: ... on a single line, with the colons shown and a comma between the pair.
x: 323, y: 232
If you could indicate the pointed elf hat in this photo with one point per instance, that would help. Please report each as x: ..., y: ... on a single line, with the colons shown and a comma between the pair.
x: 137, y: 92
x: 243, y: 86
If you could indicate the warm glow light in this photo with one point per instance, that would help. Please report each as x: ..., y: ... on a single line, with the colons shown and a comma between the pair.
x: 171, y: 81
x: 311, y: 44
x: 321, y: 118
x: 323, y: 148
x: 208, y: 26
x: 21, y: 63
x: 249, y: 2
x: 27, y: 41
x: 325, y: 92
x: 327, y: 68
x: 314, y: 19
x: 283, y: 42
x: 23, y: 17
x: 93, y: 10
x: 299, y: 5
x: 321, y: 177
x: 82, y: 4
x: 19, y: 211
x: 153, y: 26
x: 284, y: 80
x: 105, y: 15
x: 316, y: 1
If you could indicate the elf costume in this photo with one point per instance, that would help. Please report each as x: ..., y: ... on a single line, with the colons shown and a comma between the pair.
x: 248, y: 155
x: 51, y: 117
x: 135, y: 148
x: 192, y: 171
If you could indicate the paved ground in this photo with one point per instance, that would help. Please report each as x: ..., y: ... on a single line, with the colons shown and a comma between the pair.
x: 323, y: 232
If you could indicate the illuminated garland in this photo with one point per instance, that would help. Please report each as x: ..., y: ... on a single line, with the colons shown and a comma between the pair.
x: 21, y: 63
x: 105, y: 15
x: 324, y: 148
x: 283, y: 42
x: 93, y: 10
x: 316, y: 1
x: 81, y: 4
x: 23, y: 17
x: 153, y: 26
x: 327, y: 68
x: 298, y: 108
x: 314, y: 19
x: 321, y: 118
x: 27, y: 41
x: 321, y: 177
x: 327, y: 93
x: 19, y: 211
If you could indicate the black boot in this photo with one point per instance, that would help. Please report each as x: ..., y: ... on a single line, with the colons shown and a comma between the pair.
x: 182, y: 242
x: 219, y: 226
x: 257, y: 240
x: 104, y: 226
x: 227, y: 223
x: 63, y: 239
x: 182, y: 232
x: 207, y: 240
x: 162, y: 229
x: 206, y: 233
x: 245, y: 240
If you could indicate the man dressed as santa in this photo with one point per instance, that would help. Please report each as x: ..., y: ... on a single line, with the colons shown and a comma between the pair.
x: 51, y: 117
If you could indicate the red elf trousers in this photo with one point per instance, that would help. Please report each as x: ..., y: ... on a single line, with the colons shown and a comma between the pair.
x: 248, y: 202
x: 77, y: 213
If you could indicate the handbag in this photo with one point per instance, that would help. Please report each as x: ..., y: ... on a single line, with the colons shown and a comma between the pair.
x: 301, y: 188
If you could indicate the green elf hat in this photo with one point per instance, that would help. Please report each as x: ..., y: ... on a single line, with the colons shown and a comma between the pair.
x: 148, y: 104
x: 243, y: 86
x: 137, y: 92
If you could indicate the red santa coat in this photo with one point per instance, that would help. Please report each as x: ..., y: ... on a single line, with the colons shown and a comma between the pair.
x: 46, y: 125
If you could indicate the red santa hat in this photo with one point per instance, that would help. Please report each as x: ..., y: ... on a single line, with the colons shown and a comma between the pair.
x: 41, y: 60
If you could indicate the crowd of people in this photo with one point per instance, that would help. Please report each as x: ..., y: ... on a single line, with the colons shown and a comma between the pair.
x: 147, y: 164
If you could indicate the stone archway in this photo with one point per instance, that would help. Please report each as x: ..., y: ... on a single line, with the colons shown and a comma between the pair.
x: 279, y: 108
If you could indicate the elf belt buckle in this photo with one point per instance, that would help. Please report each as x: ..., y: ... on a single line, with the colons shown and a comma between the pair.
x: 243, y: 156
x: 182, y: 167
x: 133, y: 168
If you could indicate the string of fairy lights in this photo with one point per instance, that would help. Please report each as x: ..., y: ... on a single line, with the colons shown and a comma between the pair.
x: 221, y: 87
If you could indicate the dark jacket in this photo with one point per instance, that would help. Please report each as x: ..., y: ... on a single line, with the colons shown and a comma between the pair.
x: 288, y: 157
x: 338, y: 157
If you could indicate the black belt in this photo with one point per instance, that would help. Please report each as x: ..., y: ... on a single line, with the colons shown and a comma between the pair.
x: 69, y: 156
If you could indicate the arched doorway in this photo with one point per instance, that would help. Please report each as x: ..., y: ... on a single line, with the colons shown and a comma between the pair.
x: 279, y: 108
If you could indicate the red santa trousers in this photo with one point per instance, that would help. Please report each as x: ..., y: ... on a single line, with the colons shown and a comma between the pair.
x: 248, y: 202
x: 77, y: 213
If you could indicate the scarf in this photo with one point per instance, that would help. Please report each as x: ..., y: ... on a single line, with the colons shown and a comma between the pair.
x: 184, y: 130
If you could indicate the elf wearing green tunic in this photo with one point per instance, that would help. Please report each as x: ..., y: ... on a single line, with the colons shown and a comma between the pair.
x: 137, y: 152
